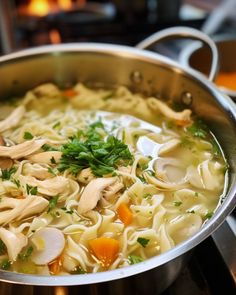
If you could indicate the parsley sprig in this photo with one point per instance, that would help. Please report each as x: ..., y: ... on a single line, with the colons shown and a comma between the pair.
x: 90, y: 149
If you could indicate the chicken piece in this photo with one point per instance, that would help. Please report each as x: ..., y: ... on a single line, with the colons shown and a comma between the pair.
x: 47, y: 89
x: 93, y: 192
x: 157, y: 105
x: 17, y: 209
x: 49, y: 243
x: 22, y: 150
x: 13, y: 119
x: 36, y: 170
x: 112, y: 189
x: 50, y: 187
x: 85, y: 176
x: 14, y: 242
x: 45, y: 157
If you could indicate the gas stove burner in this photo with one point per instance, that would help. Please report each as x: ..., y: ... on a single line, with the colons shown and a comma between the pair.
x: 91, y: 12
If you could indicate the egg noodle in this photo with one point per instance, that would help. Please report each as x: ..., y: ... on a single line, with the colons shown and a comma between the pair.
x: 96, y: 179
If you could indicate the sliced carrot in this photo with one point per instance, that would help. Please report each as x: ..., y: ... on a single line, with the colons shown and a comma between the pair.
x: 105, y: 249
x: 182, y: 123
x: 125, y: 214
x: 70, y: 93
x: 55, y: 266
x: 20, y: 197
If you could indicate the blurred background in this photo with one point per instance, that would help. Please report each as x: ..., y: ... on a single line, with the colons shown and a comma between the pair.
x: 27, y: 23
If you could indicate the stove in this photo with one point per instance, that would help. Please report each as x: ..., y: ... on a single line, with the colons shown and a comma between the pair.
x: 211, y: 269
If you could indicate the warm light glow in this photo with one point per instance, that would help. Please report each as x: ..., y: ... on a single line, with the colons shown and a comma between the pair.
x: 65, y: 4
x: 39, y: 7
x: 55, y: 37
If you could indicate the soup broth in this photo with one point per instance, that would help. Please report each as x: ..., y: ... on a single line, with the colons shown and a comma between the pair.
x: 93, y: 180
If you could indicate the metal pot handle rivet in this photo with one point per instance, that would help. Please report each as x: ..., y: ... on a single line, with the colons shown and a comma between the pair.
x: 184, y: 32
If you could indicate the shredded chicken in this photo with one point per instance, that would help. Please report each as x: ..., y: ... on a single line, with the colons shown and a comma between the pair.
x: 50, y: 187
x: 93, y: 192
x: 14, y: 242
x: 17, y: 209
x: 13, y: 119
x: 112, y: 189
x: 45, y: 157
x: 157, y: 105
x: 22, y: 150
x: 85, y: 176
x: 48, y: 89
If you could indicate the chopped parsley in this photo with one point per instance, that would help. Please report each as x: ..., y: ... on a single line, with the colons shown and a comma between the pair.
x: 17, y: 182
x: 52, y: 203
x: 191, y: 211
x: 52, y: 160
x: 31, y: 190
x: 25, y: 255
x: 48, y: 148
x: 147, y: 196
x: 3, y: 248
x: 5, y: 264
x: 7, y: 173
x: 215, y: 148
x: 102, y: 156
x: 178, y: 203
x: 71, y: 211
x: 208, y: 215
x: 56, y: 125
x: 50, y: 170
x: 143, y: 241
x: 28, y: 135
x: 133, y: 259
x: 198, y: 129
x: 78, y: 270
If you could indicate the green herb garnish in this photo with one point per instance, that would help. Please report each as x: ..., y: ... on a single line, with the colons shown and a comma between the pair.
x: 177, y: 204
x: 143, y: 242
x: 52, y: 203
x: 17, y: 182
x: 50, y: 170
x: 133, y: 259
x: 198, y: 129
x: 56, y: 125
x: 208, y: 215
x: 78, y: 271
x: 52, y: 160
x: 48, y: 148
x: 147, y: 196
x: 102, y: 156
x: 31, y: 190
x: 5, y: 264
x: 28, y: 135
x: 7, y: 173
x: 3, y: 248
x: 25, y: 255
x: 191, y: 211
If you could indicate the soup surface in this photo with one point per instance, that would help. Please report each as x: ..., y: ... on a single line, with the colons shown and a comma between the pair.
x: 93, y: 180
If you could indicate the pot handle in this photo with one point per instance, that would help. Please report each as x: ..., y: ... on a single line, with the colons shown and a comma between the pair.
x: 184, y: 32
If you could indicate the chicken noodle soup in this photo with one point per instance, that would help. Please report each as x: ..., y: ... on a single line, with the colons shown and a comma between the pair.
x: 93, y: 180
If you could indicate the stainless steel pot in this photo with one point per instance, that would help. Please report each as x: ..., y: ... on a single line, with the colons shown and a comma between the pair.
x: 140, y: 70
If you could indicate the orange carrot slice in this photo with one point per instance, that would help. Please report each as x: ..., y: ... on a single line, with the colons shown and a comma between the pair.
x: 105, y: 249
x: 55, y: 266
x: 70, y: 93
x: 125, y: 214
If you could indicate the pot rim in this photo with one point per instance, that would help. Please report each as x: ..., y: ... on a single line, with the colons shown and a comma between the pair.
x: 207, y: 229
